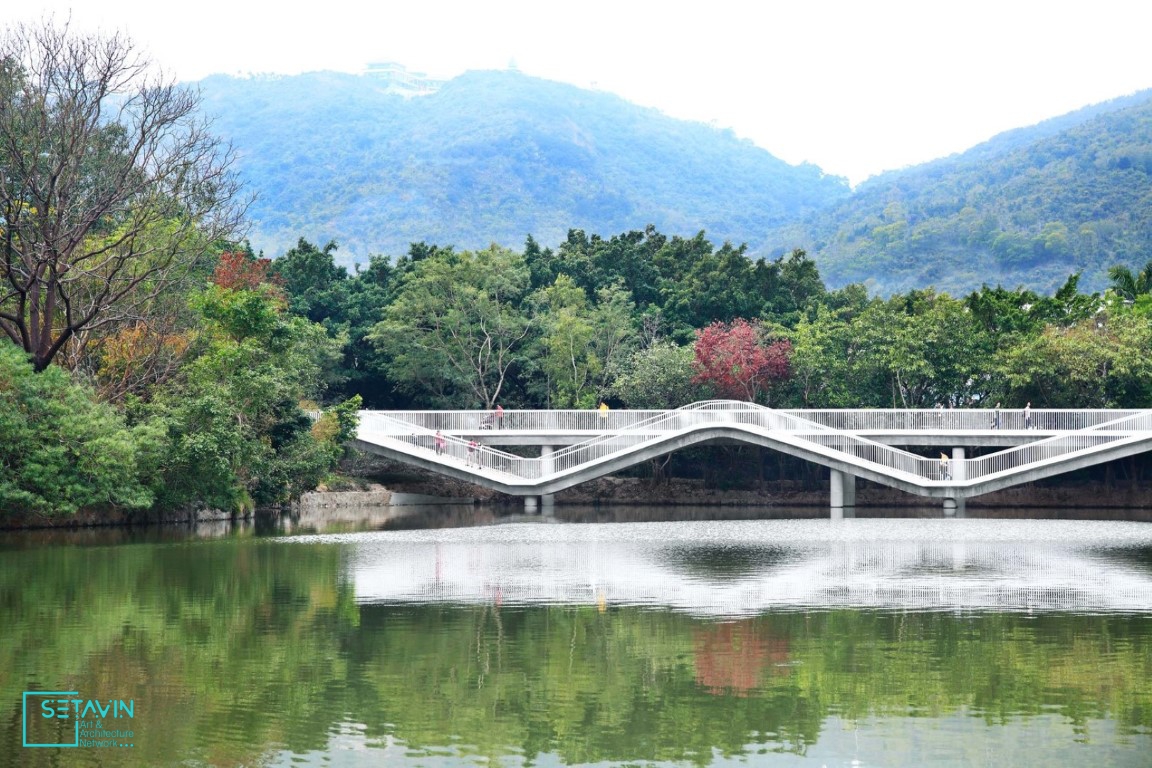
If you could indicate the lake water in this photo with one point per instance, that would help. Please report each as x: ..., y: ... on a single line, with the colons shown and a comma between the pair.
x: 880, y: 641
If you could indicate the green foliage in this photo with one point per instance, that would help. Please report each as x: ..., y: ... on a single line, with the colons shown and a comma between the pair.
x: 348, y: 307
x: 926, y: 349
x: 823, y: 355
x: 1128, y: 285
x: 238, y: 436
x: 1098, y: 363
x: 580, y: 341
x: 915, y: 350
x: 660, y: 376
x: 562, y: 328
x: 317, y: 288
x: 241, y: 314
x: 457, y: 326
x: 348, y: 417
x: 60, y: 450
x: 567, y: 332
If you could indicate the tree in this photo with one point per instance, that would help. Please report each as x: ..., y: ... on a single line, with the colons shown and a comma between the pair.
x: 736, y: 360
x: 823, y: 349
x: 317, y: 288
x: 581, y: 342
x: 456, y: 327
x: 926, y: 348
x: 112, y: 188
x: 1129, y: 285
x: 660, y: 376
x: 699, y: 287
x: 566, y: 339
x: 799, y: 283
x: 237, y: 270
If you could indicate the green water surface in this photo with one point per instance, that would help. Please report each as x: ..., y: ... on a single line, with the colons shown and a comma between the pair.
x: 245, y: 650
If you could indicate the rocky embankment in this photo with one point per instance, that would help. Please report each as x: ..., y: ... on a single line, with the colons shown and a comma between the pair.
x: 400, y: 479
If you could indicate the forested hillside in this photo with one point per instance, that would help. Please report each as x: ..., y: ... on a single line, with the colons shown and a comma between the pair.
x: 1073, y: 194
x: 490, y: 157
x: 493, y: 157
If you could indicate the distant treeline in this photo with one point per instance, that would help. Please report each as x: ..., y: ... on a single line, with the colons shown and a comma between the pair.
x: 649, y: 321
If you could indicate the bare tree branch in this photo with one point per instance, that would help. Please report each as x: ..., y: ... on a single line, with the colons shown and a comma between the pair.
x: 112, y: 186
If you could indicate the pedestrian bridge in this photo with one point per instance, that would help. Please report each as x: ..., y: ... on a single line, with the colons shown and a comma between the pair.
x: 577, y: 446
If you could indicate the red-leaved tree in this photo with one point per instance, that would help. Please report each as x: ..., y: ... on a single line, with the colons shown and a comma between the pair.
x: 239, y: 271
x: 739, y: 361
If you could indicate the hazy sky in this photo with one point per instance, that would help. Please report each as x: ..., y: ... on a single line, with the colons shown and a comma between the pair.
x: 854, y: 87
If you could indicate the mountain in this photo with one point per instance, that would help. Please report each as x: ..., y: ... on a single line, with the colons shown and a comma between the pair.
x: 490, y: 157
x: 497, y: 156
x: 1027, y: 208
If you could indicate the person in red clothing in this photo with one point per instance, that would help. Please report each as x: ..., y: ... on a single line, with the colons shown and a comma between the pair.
x: 439, y: 441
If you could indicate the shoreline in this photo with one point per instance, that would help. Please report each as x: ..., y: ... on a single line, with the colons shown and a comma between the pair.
x: 371, y: 497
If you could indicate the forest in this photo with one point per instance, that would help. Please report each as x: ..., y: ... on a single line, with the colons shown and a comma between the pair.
x: 155, y: 361
x: 649, y: 321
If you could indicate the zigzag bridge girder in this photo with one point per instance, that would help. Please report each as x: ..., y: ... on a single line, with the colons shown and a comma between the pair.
x: 578, y: 446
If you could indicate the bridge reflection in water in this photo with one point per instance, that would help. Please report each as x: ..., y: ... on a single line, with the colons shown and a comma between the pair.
x: 742, y: 568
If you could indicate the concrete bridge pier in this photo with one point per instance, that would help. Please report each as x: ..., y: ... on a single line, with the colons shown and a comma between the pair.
x: 954, y: 507
x: 842, y: 496
x: 547, y: 501
x: 530, y: 505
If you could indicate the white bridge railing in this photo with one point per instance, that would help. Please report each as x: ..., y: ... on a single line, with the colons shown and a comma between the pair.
x: 851, y: 420
x: 965, y: 419
x: 1104, y: 433
x: 831, y: 432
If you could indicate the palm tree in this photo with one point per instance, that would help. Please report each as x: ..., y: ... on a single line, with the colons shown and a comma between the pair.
x: 1131, y: 285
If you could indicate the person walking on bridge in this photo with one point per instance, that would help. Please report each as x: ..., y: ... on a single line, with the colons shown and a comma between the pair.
x: 944, y: 473
x: 1028, y: 415
x: 472, y: 444
x: 439, y: 442
x: 499, y: 416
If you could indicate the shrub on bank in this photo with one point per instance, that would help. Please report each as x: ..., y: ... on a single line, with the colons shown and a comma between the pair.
x: 61, y: 450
